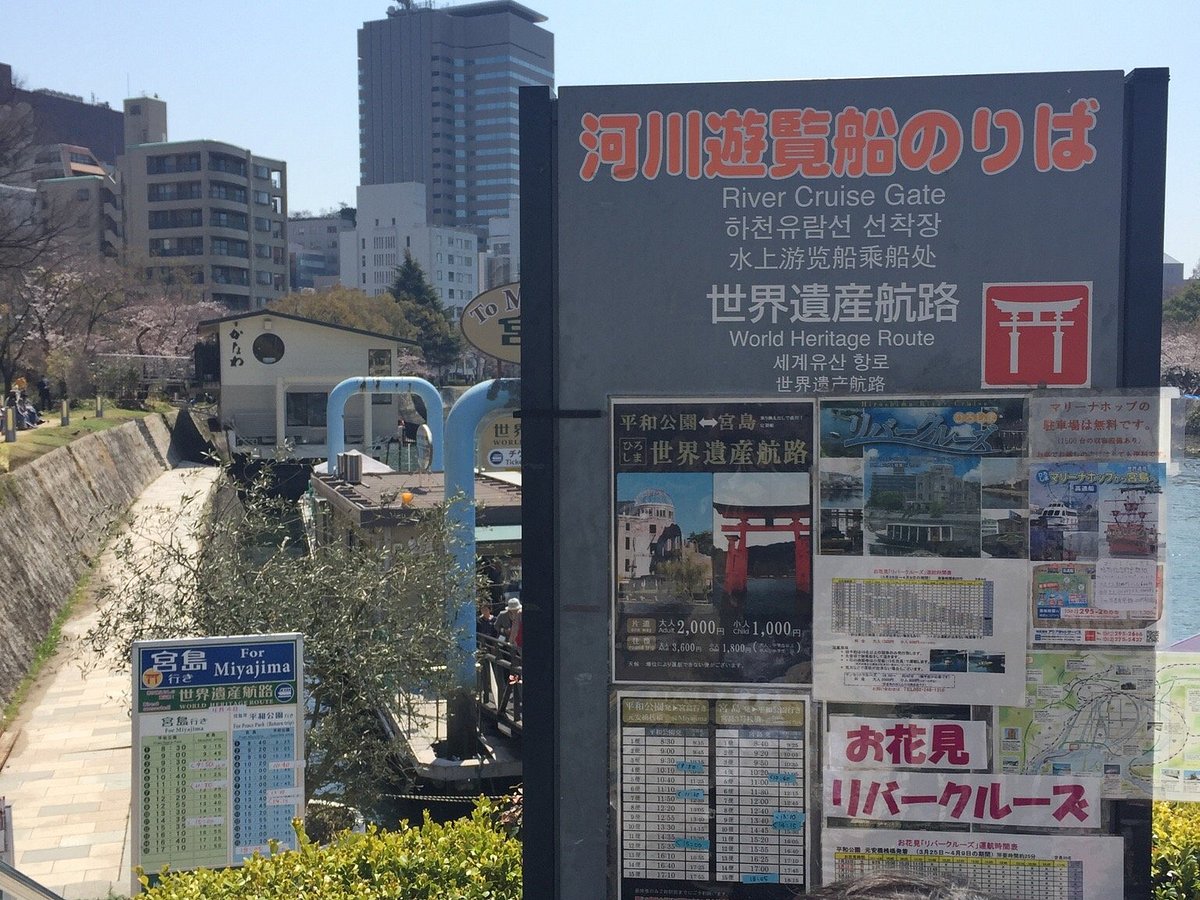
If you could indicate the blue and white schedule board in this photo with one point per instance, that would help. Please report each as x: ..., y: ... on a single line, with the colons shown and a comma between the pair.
x: 218, y: 749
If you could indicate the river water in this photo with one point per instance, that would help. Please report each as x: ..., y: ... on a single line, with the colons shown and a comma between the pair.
x: 1183, y: 552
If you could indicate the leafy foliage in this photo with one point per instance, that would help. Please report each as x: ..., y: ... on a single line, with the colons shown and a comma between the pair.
x: 1184, y: 307
x: 349, y: 308
x: 377, y: 633
x: 470, y: 859
x: 420, y: 306
x: 1175, y: 851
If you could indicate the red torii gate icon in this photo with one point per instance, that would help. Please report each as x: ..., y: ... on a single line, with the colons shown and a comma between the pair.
x: 798, y: 522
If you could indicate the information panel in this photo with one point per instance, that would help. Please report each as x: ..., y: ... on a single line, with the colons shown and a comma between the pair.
x: 1007, y: 866
x: 218, y: 749
x: 712, y: 533
x: 713, y: 795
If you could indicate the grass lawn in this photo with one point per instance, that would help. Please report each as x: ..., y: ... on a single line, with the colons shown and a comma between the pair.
x: 36, y: 442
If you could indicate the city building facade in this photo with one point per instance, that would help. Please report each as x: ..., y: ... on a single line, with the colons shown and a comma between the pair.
x: 438, y: 102
x: 314, y: 249
x: 210, y: 213
x: 62, y: 118
x: 391, y: 221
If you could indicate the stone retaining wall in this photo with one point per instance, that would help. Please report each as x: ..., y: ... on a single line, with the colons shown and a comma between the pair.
x: 55, y: 514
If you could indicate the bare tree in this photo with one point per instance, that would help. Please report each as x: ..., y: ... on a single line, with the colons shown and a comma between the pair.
x: 29, y: 230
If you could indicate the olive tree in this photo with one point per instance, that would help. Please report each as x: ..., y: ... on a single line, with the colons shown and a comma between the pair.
x: 376, y: 631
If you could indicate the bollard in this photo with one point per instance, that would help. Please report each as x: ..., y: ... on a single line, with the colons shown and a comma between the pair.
x: 10, y: 424
x: 99, y: 407
x: 65, y: 416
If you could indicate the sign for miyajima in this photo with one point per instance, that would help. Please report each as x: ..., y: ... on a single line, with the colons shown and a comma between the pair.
x: 218, y: 749
x: 492, y: 322
x: 858, y: 237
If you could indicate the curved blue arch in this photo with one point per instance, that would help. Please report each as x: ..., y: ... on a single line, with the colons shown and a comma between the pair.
x: 335, y: 420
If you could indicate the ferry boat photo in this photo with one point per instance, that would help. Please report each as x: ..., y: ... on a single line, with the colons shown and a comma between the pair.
x: 1058, y: 515
x: 928, y: 536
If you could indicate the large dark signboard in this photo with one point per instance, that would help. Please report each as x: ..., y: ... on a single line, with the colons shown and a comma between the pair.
x: 786, y: 347
x: 861, y: 237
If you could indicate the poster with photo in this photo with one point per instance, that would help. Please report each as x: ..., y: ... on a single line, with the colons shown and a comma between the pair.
x: 712, y: 541
x: 923, y: 477
x: 1116, y: 602
x: 921, y: 562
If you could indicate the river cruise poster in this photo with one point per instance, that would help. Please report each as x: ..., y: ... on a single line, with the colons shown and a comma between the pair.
x: 921, y: 566
x: 712, y: 541
x: 218, y: 749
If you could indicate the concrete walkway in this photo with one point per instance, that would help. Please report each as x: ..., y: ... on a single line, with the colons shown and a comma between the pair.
x: 68, y: 773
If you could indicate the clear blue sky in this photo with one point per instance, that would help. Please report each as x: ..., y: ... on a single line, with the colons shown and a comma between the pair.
x: 280, y: 77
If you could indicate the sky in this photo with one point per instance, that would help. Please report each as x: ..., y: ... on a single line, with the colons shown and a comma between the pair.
x: 279, y: 77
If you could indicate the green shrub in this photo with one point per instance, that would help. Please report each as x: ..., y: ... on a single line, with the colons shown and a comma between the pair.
x: 1175, y: 852
x: 472, y: 859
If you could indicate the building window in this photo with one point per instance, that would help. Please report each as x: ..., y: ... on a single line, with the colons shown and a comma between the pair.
x: 185, y: 246
x: 224, y: 162
x: 173, y: 162
x: 223, y: 190
x: 306, y: 410
x: 176, y: 218
x: 227, y: 218
x: 379, y: 363
x: 230, y: 247
x: 268, y: 349
x: 173, y: 190
x: 230, y: 275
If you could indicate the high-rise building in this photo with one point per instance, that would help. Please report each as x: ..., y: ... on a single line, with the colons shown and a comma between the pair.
x: 438, y: 102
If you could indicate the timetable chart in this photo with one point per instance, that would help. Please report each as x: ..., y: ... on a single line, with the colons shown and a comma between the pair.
x: 264, y: 750
x: 760, y: 806
x: 712, y: 792
x: 218, y: 749
x: 184, y: 763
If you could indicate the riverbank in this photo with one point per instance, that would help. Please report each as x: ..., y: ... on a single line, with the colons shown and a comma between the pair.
x: 68, y: 772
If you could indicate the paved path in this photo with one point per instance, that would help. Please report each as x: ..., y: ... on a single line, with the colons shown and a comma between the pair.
x: 68, y: 775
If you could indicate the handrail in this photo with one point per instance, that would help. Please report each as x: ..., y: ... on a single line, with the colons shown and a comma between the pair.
x: 18, y: 886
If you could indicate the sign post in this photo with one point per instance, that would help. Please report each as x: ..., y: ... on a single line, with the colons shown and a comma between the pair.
x: 870, y: 269
x: 218, y: 749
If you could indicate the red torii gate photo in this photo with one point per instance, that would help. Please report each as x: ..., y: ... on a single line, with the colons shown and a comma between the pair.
x: 798, y: 521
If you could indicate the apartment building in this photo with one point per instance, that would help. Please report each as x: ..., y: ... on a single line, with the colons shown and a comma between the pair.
x: 211, y: 213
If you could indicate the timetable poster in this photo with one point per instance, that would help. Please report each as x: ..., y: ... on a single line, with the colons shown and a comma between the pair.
x: 1005, y: 866
x: 218, y: 749
x: 712, y: 541
x: 712, y: 794
x: 921, y: 573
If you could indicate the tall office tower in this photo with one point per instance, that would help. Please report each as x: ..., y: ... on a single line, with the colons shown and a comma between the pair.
x: 438, y: 103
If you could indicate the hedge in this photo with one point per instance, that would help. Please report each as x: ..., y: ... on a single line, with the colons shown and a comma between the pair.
x: 1175, y: 851
x: 473, y: 859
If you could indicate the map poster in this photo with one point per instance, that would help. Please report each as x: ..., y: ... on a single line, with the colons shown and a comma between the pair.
x: 1087, y: 712
x: 920, y: 630
x: 712, y: 796
x: 218, y: 749
x: 1005, y: 866
x: 1177, y: 728
x: 712, y: 541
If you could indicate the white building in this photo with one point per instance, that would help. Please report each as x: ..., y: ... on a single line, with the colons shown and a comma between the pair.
x: 276, y: 373
x: 391, y: 220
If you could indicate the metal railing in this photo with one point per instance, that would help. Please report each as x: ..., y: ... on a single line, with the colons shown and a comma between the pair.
x: 501, y: 689
x: 16, y: 886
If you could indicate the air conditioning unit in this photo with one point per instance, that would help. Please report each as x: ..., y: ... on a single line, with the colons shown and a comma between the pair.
x: 349, y: 467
